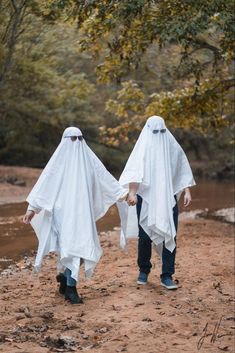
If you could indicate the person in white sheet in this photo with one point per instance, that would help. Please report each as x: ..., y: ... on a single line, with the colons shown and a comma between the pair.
x: 72, y: 193
x: 156, y: 173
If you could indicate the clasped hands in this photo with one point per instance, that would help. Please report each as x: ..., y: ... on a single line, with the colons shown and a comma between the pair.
x: 131, y: 198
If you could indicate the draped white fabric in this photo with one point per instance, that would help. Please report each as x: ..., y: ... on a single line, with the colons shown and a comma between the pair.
x: 161, y: 168
x: 73, y: 191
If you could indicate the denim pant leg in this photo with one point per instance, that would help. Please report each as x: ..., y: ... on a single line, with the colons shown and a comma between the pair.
x: 144, y: 245
x: 168, y: 257
x: 69, y: 280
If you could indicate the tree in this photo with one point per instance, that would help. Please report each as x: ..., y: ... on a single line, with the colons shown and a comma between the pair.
x: 42, y: 88
x: 122, y: 33
x: 108, y: 65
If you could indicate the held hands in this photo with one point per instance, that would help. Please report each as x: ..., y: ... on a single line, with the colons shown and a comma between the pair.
x: 187, y: 197
x: 28, y: 217
x: 131, y: 199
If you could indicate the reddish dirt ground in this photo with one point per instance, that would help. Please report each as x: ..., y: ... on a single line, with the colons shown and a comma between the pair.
x: 117, y: 314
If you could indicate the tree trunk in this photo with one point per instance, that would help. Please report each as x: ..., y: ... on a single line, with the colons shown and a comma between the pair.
x: 13, y: 30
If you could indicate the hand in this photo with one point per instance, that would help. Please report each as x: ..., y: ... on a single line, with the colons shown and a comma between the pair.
x: 187, y: 197
x: 131, y: 199
x: 28, y: 217
x: 124, y: 197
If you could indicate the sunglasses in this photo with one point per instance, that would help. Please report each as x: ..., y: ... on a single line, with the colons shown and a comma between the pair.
x: 74, y: 138
x: 157, y: 131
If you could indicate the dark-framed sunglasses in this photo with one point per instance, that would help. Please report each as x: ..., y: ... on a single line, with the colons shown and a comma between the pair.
x: 157, y: 131
x: 74, y: 138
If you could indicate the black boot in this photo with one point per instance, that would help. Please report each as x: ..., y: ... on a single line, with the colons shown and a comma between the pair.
x: 71, y: 295
x: 62, y: 280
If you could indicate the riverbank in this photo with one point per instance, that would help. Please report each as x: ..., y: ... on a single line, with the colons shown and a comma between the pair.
x: 16, y: 183
x: 117, y: 314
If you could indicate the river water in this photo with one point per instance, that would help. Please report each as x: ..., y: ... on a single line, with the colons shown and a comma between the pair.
x: 17, y: 239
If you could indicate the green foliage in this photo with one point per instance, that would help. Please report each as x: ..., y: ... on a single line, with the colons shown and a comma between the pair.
x: 182, y: 108
x: 43, y: 90
x: 108, y: 65
x: 123, y: 32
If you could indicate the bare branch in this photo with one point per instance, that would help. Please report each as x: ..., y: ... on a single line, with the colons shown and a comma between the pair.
x: 202, y: 44
x: 3, y: 40
x: 14, y: 5
x: 14, y: 30
x: 20, y: 32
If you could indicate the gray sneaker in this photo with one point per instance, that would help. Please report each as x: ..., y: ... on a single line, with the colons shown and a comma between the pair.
x: 168, y: 283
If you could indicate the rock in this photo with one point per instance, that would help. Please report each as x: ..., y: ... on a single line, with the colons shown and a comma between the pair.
x: 121, y: 349
x: 228, y: 214
x: 71, y: 325
x: 2, y: 337
x: 65, y: 342
x: 177, y: 306
x: 85, y: 337
x: 191, y: 214
x: 25, y: 309
x: 47, y: 315
x: 12, y: 180
x: 20, y: 183
x: 20, y: 317
x: 138, y: 304
x: 103, y: 330
x: 224, y: 349
x: 147, y: 319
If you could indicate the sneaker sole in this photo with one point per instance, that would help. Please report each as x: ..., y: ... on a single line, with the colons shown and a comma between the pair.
x: 142, y: 283
x: 169, y: 287
x: 74, y: 303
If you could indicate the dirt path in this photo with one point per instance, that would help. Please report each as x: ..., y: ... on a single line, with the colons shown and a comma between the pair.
x: 119, y: 316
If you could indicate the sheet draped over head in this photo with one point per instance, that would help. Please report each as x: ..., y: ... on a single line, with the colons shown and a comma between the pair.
x: 161, y: 168
x: 73, y: 191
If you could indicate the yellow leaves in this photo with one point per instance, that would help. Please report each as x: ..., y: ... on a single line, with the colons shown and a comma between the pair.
x: 126, y: 108
x: 130, y: 99
x: 228, y: 55
x: 121, y: 111
x: 84, y: 87
x: 130, y: 91
x: 117, y: 135
x: 111, y: 69
x: 186, y: 108
x: 112, y: 106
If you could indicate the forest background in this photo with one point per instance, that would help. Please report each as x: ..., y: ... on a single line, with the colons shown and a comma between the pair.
x: 105, y: 66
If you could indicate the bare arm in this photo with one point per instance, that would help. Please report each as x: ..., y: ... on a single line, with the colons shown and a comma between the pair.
x: 132, y: 198
x: 187, y: 197
x: 28, y: 216
x: 31, y: 211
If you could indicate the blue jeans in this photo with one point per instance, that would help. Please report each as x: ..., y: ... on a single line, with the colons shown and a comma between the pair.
x: 69, y: 280
x: 145, y: 248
